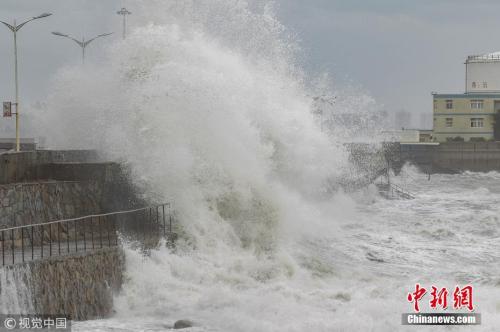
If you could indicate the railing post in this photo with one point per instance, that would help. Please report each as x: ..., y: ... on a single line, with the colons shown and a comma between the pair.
x: 100, y: 230
x: 3, y: 248
x: 41, y: 241
x: 92, y: 231
x: 106, y: 222
x: 84, y: 239
x: 76, y: 236
x: 12, y: 244
x: 32, y: 243
x: 50, y: 240
x: 170, y: 219
x: 163, y: 219
x: 22, y: 242
x: 115, y: 229
x: 68, y: 224
x: 59, y: 237
x: 157, y: 226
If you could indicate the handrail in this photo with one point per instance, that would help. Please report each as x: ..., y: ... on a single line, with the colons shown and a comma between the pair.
x: 85, y: 217
x: 145, y: 226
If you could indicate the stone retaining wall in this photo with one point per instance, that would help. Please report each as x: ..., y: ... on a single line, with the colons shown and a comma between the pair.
x: 31, y: 203
x: 80, y: 286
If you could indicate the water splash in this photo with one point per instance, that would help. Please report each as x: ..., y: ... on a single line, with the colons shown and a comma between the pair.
x: 16, y: 290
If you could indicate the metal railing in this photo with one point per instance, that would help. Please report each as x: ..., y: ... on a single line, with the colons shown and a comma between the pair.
x: 145, y: 225
x: 484, y: 57
x: 391, y: 190
x: 397, y: 191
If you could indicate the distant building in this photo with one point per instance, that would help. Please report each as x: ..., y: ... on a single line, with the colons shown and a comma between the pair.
x: 402, y: 119
x: 469, y: 116
x: 403, y: 135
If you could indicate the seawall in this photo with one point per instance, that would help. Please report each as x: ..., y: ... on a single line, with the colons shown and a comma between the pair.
x: 449, y: 157
x: 79, y: 286
x: 42, y: 186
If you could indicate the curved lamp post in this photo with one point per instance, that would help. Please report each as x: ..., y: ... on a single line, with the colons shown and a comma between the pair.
x: 82, y: 43
x: 15, y: 28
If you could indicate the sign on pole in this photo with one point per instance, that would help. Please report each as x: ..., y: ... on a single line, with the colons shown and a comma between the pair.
x: 7, y: 109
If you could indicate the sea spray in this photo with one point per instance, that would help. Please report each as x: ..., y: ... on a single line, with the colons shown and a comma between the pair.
x: 16, y: 290
x: 207, y: 104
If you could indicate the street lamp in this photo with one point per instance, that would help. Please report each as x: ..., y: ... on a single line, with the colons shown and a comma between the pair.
x: 124, y: 12
x: 82, y: 43
x: 15, y: 28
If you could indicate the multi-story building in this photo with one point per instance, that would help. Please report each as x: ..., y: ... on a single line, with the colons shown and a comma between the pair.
x: 470, y: 115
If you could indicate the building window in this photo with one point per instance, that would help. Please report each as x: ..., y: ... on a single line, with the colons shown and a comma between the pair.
x: 477, y: 104
x: 449, y: 104
x: 476, y: 122
x: 485, y: 85
x: 449, y: 122
x: 473, y: 85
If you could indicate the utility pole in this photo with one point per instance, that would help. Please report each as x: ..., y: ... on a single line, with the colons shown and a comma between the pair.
x: 15, y: 28
x: 82, y: 43
x: 124, y: 12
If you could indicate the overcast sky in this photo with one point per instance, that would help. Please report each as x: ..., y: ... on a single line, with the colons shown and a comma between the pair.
x: 399, y: 51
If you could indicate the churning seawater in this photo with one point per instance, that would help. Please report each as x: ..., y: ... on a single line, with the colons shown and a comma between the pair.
x: 207, y: 104
x: 353, y: 279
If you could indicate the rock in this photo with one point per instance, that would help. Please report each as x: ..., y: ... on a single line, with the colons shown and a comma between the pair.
x: 182, y: 324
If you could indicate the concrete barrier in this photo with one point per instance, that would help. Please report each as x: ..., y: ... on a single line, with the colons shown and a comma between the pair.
x: 451, y: 157
x: 24, y: 166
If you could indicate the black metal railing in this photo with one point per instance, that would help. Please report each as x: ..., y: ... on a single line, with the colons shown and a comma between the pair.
x: 145, y: 225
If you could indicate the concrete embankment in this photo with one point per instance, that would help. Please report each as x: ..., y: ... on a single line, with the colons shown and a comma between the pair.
x: 42, y: 186
x: 80, y: 286
x: 449, y: 157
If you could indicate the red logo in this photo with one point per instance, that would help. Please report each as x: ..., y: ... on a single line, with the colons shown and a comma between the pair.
x: 462, y: 297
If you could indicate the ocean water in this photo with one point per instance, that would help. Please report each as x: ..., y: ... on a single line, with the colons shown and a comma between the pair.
x: 207, y: 103
x: 354, y: 278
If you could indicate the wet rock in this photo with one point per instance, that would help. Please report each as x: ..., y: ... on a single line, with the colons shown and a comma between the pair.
x: 182, y: 324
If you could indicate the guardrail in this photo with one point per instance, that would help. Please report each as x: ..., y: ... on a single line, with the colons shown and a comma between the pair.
x: 391, y: 190
x: 56, y: 238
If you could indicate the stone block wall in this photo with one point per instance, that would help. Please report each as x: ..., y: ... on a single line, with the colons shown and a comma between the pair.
x: 80, y: 286
x: 31, y: 203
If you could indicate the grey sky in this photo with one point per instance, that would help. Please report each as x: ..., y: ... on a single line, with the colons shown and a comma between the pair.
x: 397, y: 50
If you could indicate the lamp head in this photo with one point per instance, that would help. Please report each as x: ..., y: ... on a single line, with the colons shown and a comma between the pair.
x: 42, y: 15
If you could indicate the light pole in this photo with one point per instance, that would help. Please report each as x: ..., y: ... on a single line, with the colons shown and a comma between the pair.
x: 124, y: 12
x: 15, y: 28
x: 82, y: 43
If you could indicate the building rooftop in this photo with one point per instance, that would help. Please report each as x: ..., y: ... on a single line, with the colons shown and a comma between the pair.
x: 494, y: 56
x: 478, y: 95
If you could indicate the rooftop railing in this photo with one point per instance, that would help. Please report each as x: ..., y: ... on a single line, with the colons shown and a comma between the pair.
x: 483, y: 57
x: 145, y: 225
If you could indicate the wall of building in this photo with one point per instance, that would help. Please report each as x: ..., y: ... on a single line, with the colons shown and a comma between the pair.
x: 483, y: 75
x: 461, y: 113
x: 80, y: 286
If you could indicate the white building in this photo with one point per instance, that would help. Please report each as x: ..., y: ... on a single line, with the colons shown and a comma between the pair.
x: 482, y: 73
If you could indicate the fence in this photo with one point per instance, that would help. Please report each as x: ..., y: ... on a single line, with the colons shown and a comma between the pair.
x: 38, y: 241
